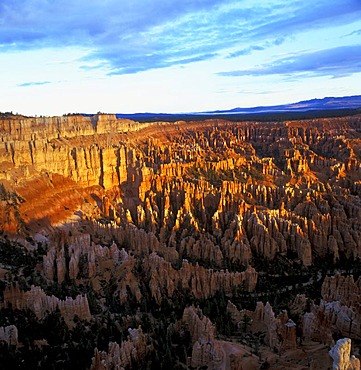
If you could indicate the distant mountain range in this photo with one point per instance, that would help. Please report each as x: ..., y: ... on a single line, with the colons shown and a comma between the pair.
x: 346, y: 102
x: 313, y: 107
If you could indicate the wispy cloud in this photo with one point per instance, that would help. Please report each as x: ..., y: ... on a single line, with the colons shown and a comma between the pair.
x: 153, y: 62
x: 357, y: 32
x: 36, y: 83
x: 248, y: 50
x: 245, y: 51
x: 336, y: 62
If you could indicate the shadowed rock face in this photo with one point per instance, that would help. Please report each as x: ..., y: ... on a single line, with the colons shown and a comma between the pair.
x: 122, y: 356
x: 9, y: 335
x: 162, y: 215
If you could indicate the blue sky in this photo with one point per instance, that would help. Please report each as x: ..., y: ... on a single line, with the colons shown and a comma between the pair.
x: 175, y: 56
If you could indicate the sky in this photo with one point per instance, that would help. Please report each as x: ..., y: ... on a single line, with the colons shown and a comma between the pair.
x: 129, y: 56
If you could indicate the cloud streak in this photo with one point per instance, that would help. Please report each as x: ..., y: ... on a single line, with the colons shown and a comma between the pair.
x: 36, y: 83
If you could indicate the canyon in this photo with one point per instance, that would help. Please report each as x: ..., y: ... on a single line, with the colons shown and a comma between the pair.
x: 189, y: 244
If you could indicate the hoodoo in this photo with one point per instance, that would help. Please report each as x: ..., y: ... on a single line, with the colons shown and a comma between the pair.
x: 226, y: 245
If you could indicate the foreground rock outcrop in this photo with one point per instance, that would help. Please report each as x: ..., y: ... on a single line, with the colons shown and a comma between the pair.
x: 340, y: 355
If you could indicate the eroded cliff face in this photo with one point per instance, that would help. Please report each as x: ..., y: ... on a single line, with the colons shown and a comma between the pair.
x: 140, y: 220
